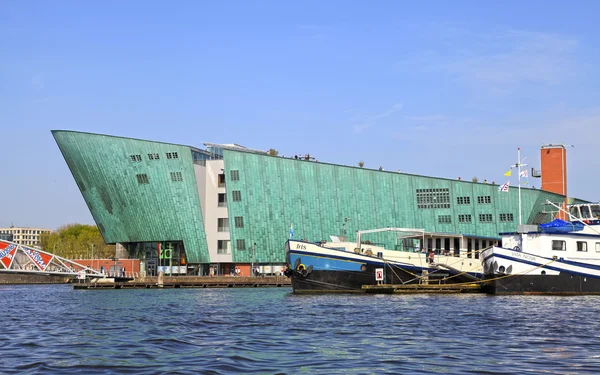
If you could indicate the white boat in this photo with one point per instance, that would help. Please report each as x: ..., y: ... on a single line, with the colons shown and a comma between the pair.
x: 342, y: 266
x: 561, y: 257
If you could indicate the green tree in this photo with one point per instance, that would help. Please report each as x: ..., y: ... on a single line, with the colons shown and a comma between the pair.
x: 475, y: 179
x: 76, y: 241
x: 273, y: 152
x: 361, y: 163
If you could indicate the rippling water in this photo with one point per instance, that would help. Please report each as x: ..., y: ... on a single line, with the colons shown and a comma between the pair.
x: 58, y: 330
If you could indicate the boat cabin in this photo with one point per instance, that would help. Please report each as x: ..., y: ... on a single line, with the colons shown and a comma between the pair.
x: 585, y: 211
x: 576, y: 246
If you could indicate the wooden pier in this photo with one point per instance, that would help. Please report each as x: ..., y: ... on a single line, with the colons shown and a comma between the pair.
x: 187, y: 282
x: 423, y: 288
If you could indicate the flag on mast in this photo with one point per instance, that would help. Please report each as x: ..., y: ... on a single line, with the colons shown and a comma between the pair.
x: 504, y: 187
x: 508, y: 173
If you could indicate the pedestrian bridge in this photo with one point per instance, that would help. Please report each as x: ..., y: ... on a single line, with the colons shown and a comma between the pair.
x: 16, y: 258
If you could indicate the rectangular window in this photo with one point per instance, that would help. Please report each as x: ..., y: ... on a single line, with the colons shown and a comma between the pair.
x: 176, y: 177
x: 240, y: 244
x: 239, y: 222
x: 223, y: 247
x: 142, y: 178
x: 581, y: 246
x: 559, y: 245
x: 153, y: 157
x: 433, y: 198
x: 222, y: 200
x: 598, y: 247
x: 464, y: 218
x: 463, y: 200
x: 236, y: 195
x: 223, y: 224
x: 135, y: 158
x: 235, y: 175
x: 485, y: 218
x: 222, y: 180
x: 484, y: 199
x: 505, y: 218
x: 444, y: 219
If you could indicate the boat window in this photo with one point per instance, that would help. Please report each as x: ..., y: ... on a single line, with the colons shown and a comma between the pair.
x: 595, y: 211
x: 575, y: 211
x: 585, y: 212
x: 581, y: 246
x: 559, y: 245
x: 598, y: 247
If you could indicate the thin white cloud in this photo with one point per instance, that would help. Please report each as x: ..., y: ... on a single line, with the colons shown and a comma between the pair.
x: 552, y: 126
x: 499, y: 62
x: 369, y: 121
x: 427, y: 118
x: 517, y: 57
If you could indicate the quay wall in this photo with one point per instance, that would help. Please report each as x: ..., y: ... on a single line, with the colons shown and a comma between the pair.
x: 32, y: 279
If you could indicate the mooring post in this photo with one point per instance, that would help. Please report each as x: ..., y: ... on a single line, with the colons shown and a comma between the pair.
x: 160, y: 279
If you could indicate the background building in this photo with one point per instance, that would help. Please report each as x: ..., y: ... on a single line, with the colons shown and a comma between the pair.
x: 184, y: 209
x: 23, y: 236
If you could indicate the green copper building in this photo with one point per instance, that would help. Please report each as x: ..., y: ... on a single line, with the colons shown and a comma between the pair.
x: 184, y: 209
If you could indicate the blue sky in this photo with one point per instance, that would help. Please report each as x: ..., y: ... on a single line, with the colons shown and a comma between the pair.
x: 440, y: 88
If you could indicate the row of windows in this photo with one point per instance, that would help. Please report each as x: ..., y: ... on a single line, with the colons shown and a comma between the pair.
x: 444, y: 219
x: 143, y: 178
x: 22, y: 237
x: 176, y: 177
x: 559, y: 245
x: 433, y: 198
x: 235, y: 175
x: 440, y: 198
x: 463, y: 200
x: 24, y: 231
x: 484, y: 199
x: 223, y: 223
x: 153, y: 156
x: 30, y: 243
x: 467, y: 218
x: 485, y: 218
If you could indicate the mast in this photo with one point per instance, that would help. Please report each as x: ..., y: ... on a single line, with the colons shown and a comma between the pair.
x: 519, y: 165
x: 519, y: 168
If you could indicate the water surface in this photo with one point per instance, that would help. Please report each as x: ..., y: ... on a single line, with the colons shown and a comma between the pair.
x: 54, y: 329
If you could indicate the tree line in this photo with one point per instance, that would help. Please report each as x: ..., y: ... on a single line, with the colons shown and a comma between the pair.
x: 76, y: 241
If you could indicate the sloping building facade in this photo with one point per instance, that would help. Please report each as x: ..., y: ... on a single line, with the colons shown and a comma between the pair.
x: 227, y: 205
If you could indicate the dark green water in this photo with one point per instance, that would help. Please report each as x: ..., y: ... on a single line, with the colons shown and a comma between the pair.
x: 58, y: 330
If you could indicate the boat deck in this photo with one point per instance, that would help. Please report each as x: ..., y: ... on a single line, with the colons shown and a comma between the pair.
x: 189, y: 282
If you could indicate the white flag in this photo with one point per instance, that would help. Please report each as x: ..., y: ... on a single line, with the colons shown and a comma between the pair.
x: 504, y: 187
